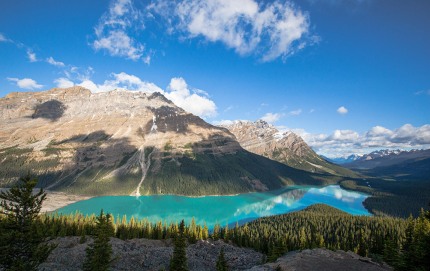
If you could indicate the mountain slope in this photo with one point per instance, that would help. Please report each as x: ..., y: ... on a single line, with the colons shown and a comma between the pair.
x: 288, y: 148
x: 123, y: 142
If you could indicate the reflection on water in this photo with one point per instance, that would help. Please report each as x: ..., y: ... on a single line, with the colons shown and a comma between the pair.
x: 222, y: 209
x: 267, y: 207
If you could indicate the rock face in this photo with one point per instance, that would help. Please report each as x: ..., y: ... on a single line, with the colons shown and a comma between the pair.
x: 144, y: 254
x: 122, y: 142
x: 264, y: 139
x: 322, y: 260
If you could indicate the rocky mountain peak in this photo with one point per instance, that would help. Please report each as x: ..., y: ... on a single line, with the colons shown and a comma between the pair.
x: 260, y: 137
x: 286, y: 147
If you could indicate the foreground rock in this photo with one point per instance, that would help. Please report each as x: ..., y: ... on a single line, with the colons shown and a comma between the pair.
x: 144, y: 254
x: 322, y: 260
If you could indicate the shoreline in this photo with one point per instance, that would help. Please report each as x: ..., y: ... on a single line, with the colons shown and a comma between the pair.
x: 56, y: 200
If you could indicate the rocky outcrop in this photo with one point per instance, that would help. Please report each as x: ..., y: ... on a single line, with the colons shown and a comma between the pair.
x: 265, y: 139
x: 322, y: 260
x: 144, y: 254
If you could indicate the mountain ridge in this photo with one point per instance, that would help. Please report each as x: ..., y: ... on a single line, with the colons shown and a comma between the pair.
x: 286, y: 147
x: 122, y: 142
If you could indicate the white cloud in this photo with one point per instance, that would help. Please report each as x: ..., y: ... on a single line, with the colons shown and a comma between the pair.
x: 179, y: 94
x: 271, y: 117
x: 344, y: 135
x: 346, y: 142
x: 223, y: 122
x: 118, y: 43
x: 3, y: 38
x: 121, y: 81
x: 269, y: 30
x: 74, y: 73
x: 63, y: 82
x: 342, y: 110
x: 228, y: 108
x: 31, y: 56
x: 178, y: 91
x: 25, y: 83
x: 52, y: 61
x: 421, y: 92
x: 378, y: 131
x: 295, y: 112
x: 112, y: 32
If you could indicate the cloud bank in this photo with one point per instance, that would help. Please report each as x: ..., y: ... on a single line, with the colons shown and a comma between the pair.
x: 192, y: 100
x: 346, y: 142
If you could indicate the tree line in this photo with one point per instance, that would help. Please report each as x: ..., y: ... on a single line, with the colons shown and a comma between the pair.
x: 404, y: 244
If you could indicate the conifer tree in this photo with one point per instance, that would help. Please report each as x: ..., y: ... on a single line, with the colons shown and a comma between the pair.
x: 221, y: 263
x: 22, y: 246
x: 99, y: 253
x: 179, y: 258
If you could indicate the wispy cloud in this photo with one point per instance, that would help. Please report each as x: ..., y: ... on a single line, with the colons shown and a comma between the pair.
x: 3, y: 38
x: 31, y: 56
x: 423, y: 92
x: 271, y: 117
x: 295, y: 112
x: 228, y: 108
x: 53, y: 62
x: 25, y: 83
x: 113, y: 32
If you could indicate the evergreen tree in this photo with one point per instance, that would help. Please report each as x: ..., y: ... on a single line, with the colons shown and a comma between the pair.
x: 221, y: 263
x: 179, y: 258
x: 276, y: 251
x: 22, y: 246
x: 99, y: 253
x: 391, y: 252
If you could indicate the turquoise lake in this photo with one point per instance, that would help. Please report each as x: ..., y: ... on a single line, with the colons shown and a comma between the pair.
x: 221, y: 209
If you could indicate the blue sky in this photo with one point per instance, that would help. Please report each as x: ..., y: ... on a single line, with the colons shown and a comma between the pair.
x: 349, y: 76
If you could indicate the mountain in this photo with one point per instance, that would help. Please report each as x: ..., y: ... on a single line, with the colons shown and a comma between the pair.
x: 342, y: 160
x: 122, y: 142
x: 412, y: 164
x: 288, y: 148
x: 382, y: 158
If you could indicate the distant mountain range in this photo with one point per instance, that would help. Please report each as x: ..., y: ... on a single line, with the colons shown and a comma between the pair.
x: 133, y: 143
x: 411, y: 164
x: 342, y: 160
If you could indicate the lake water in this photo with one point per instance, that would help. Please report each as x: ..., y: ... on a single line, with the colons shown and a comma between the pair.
x: 222, y: 209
